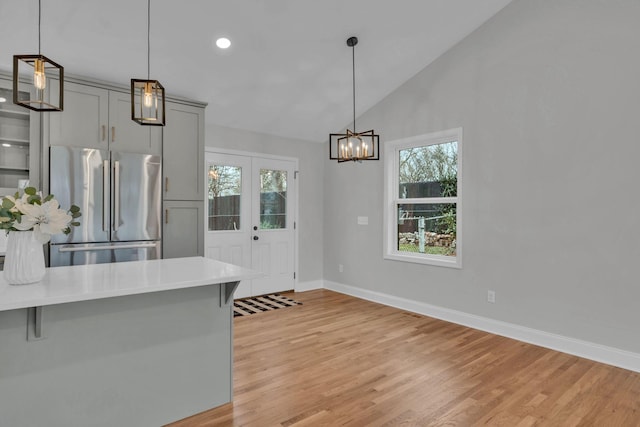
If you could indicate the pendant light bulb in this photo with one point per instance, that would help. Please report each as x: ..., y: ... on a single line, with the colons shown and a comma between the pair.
x: 39, y: 78
x: 148, y: 95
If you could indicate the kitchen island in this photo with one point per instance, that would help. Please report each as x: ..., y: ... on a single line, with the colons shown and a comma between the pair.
x: 139, y: 343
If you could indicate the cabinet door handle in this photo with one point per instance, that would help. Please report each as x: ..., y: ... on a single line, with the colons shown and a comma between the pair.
x: 166, y: 216
x: 104, y: 132
x: 166, y: 184
x: 113, y: 134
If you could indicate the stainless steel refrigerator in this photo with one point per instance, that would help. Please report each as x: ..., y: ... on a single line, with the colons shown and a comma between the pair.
x: 119, y: 195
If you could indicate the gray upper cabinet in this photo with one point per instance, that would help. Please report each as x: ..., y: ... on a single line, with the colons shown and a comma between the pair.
x: 85, y: 119
x: 127, y: 135
x: 183, y: 145
x: 100, y: 118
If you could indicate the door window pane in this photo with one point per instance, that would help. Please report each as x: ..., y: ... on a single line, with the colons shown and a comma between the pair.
x: 273, y: 199
x: 225, y: 190
x: 427, y: 228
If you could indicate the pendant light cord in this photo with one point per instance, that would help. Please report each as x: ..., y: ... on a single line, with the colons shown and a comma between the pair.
x: 353, y: 62
x: 39, y: 23
x: 148, y: 39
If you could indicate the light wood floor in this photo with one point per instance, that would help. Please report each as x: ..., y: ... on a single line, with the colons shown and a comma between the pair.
x: 338, y: 360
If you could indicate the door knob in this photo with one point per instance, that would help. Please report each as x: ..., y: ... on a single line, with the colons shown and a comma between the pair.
x: 255, y: 237
x: 255, y: 227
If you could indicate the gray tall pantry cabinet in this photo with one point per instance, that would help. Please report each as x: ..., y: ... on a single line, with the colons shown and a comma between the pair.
x: 98, y: 115
x: 183, y: 192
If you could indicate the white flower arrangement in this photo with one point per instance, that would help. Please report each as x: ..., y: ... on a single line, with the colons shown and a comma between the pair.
x: 31, y: 212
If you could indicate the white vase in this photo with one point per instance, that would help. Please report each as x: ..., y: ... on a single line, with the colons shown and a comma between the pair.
x: 24, y: 258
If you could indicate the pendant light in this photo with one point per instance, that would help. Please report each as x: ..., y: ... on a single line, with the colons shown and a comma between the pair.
x: 354, y: 146
x: 147, y: 96
x: 37, y: 71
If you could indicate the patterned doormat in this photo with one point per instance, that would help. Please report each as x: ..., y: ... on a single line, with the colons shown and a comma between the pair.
x: 247, y: 306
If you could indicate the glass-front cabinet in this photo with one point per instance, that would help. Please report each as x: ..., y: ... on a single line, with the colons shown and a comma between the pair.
x: 19, y: 148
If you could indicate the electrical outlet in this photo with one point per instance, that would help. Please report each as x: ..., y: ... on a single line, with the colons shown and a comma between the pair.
x: 340, y: 268
x: 491, y: 296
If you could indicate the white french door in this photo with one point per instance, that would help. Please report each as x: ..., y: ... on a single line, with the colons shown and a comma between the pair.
x: 250, y: 221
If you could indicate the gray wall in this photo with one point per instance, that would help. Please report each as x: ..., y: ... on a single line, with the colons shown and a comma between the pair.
x: 310, y: 183
x: 548, y: 95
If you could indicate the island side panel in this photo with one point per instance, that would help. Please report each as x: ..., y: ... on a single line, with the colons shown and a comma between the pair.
x: 142, y: 360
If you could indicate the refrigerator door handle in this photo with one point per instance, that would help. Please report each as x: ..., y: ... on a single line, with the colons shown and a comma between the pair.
x: 105, y: 194
x: 116, y: 195
x: 72, y: 248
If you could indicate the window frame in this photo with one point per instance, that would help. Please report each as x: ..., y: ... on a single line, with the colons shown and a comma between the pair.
x: 392, y: 198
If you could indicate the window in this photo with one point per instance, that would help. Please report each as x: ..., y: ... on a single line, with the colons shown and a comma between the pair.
x: 422, y: 199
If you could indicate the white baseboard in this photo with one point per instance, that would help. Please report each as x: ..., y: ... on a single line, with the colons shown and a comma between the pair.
x: 597, y: 352
x: 309, y: 286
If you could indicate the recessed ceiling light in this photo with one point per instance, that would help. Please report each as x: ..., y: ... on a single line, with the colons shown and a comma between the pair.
x: 223, y: 43
x: 3, y: 99
x: 4, y: 144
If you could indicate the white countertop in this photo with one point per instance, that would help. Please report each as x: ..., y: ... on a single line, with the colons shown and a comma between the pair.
x: 89, y: 282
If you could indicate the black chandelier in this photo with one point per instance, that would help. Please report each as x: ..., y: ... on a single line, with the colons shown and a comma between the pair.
x: 352, y: 145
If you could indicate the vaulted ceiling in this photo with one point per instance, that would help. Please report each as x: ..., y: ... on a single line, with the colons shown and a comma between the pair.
x: 288, y: 71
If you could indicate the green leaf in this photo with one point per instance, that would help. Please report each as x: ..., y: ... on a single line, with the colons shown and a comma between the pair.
x: 74, y: 208
x: 75, y: 224
x: 30, y: 191
x: 7, y: 204
x: 34, y: 200
x: 49, y: 197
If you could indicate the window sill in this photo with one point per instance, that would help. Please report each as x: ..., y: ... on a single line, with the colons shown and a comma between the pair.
x: 439, y: 261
